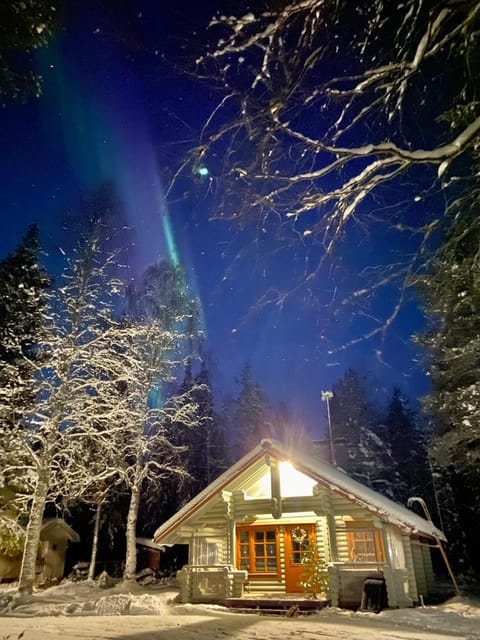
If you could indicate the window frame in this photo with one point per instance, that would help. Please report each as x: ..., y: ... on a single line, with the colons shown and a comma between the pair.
x: 208, y: 550
x: 372, y: 535
x: 251, y: 530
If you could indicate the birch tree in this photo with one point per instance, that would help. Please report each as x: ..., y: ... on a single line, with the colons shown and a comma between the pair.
x: 151, y: 346
x: 337, y: 121
x: 78, y: 315
x: 104, y: 484
x: 103, y: 395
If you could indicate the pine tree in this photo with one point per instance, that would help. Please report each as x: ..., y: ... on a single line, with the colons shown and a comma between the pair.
x: 23, y: 283
x: 408, y: 446
x: 249, y: 422
x: 359, y: 449
x: 451, y: 298
x: 23, y: 286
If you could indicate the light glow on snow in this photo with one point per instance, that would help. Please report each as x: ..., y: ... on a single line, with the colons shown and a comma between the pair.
x: 75, y: 611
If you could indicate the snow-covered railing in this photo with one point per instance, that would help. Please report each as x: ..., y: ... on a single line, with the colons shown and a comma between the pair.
x: 207, y: 583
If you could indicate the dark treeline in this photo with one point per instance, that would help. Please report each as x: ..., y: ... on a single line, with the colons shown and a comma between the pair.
x: 189, y: 435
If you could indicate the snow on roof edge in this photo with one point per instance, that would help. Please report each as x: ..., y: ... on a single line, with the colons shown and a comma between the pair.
x: 149, y: 543
x: 48, y: 523
x: 211, y: 489
x: 385, y: 508
x: 332, y: 477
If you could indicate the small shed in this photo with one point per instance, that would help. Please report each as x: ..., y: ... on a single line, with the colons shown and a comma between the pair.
x: 148, y: 554
x: 54, y: 538
x: 257, y: 523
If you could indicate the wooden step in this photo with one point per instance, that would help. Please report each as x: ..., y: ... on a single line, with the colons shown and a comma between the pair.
x: 275, y: 606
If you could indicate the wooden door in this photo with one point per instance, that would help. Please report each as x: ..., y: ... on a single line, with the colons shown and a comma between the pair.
x: 299, y: 539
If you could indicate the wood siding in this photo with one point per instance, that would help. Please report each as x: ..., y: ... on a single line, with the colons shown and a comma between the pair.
x: 412, y: 583
x: 428, y: 566
x: 419, y: 568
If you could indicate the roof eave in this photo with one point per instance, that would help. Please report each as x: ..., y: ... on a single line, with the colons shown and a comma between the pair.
x: 269, y: 447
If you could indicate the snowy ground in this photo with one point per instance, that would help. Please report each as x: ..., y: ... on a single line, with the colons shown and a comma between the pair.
x: 81, y: 611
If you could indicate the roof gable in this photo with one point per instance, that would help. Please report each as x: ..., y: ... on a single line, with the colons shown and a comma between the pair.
x: 250, y: 469
x: 57, y: 529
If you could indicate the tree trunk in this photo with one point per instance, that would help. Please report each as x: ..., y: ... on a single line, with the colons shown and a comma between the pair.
x: 96, y: 533
x: 29, y: 560
x: 131, y: 554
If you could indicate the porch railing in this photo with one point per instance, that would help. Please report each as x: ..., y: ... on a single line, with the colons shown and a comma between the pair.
x: 207, y: 583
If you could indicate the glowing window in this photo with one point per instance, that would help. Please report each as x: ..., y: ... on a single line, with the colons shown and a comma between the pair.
x: 257, y: 550
x: 364, y: 543
x: 293, y: 482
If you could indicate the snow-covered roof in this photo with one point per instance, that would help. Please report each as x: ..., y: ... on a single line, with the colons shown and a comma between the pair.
x: 326, y: 475
x: 147, y: 542
x: 51, y: 524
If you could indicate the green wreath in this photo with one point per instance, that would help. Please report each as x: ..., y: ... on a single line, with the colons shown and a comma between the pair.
x: 299, y: 535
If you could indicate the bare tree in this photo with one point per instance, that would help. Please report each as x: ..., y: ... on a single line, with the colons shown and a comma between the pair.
x: 50, y: 438
x: 342, y: 118
x: 151, y: 348
x: 103, y: 396
x: 139, y: 432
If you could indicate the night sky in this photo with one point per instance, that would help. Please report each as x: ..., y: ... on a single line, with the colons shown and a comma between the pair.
x: 116, y: 109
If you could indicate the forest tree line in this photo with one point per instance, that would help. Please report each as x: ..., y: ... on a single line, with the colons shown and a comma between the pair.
x: 109, y: 416
x: 383, y: 123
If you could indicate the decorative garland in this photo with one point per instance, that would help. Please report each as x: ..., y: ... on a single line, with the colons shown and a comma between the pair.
x: 299, y: 535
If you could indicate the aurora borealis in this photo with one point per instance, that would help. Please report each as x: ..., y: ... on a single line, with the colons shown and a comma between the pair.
x: 114, y: 110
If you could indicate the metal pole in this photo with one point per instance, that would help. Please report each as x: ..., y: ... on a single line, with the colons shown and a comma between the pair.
x: 439, y: 544
x: 326, y: 397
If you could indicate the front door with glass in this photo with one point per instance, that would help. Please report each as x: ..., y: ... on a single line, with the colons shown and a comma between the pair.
x: 300, y: 540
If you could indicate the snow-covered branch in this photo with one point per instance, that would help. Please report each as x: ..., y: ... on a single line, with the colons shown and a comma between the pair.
x: 338, y: 106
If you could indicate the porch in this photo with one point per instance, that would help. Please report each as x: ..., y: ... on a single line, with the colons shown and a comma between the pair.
x: 225, y: 585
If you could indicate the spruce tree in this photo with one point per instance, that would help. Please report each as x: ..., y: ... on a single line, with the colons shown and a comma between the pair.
x: 205, y: 454
x: 359, y: 448
x: 408, y: 446
x: 23, y: 286
x: 287, y: 427
x: 24, y: 25
x: 207, y: 450
x: 23, y: 283
x: 451, y: 299
x: 249, y: 423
